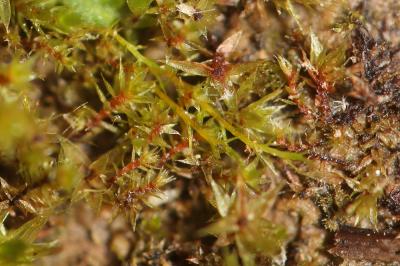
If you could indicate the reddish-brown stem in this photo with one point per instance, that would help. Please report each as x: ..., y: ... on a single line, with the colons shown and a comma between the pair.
x: 154, y: 132
x: 174, y: 150
x: 323, y: 88
x: 136, y: 163
x: 104, y: 113
x: 133, y: 194
x: 126, y: 169
x: 292, y: 83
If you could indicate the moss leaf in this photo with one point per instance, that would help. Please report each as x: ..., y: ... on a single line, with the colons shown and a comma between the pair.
x: 191, y: 68
x: 5, y: 12
x: 138, y: 7
x: 223, y: 200
x: 316, y: 48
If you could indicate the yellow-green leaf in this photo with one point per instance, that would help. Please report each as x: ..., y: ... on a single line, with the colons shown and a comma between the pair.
x: 191, y: 68
x: 223, y: 200
x: 316, y: 48
x: 5, y: 12
x: 285, y: 65
x: 138, y: 7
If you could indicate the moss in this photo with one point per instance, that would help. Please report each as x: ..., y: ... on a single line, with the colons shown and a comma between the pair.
x: 236, y: 132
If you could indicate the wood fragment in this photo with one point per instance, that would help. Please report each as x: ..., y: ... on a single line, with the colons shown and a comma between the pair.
x: 366, y: 244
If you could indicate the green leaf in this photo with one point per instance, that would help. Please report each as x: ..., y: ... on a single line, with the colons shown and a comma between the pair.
x: 287, y: 155
x: 316, y: 48
x: 138, y: 7
x: 101, y: 95
x: 285, y: 65
x: 191, y: 68
x: 223, y: 200
x: 69, y: 168
x: 225, y: 225
x: 231, y: 258
x: 246, y: 255
x: 90, y: 13
x: 251, y: 174
x: 12, y: 251
x: 3, y: 216
x: 364, y: 208
x: 29, y: 230
x: 169, y: 129
x: 17, y: 247
x: 5, y: 12
x: 229, y: 44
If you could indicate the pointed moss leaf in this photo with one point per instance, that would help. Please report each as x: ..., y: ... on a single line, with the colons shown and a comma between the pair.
x: 247, y: 256
x: 29, y: 230
x: 169, y: 129
x: 285, y: 65
x: 132, y: 217
x: 229, y: 45
x: 101, y: 95
x: 121, y: 75
x: 223, y: 200
x: 5, y: 12
x: 26, y: 206
x: 191, y: 68
x: 109, y: 88
x: 316, y: 48
x: 252, y: 174
x: 69, y: 172
x: 186, y: 9
x: 139, y: 7
x: 7, y: 189
x: 225, y: 225
x: 4, y: 212
x: 365, y: 209
x: 189, y: 161
x: 4, y: 207
x: 287, y: 5
x: 288, y: 155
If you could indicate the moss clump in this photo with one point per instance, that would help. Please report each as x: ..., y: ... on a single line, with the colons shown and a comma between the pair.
x: 205, y: 132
